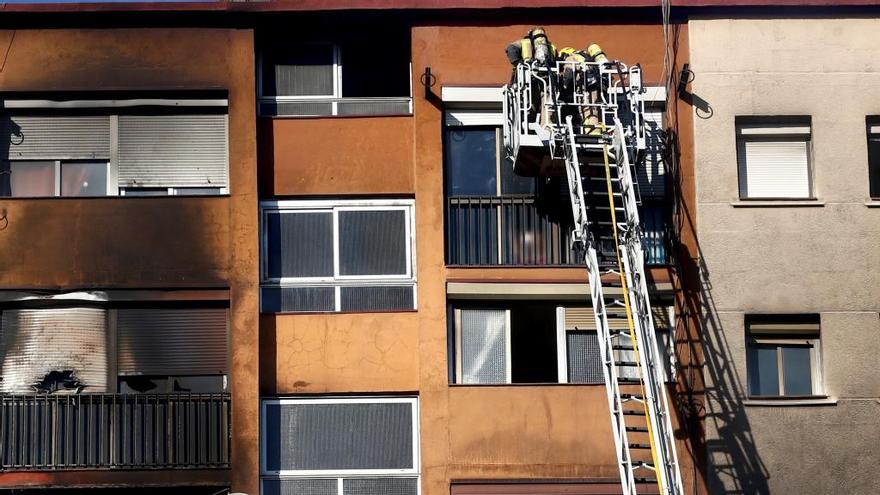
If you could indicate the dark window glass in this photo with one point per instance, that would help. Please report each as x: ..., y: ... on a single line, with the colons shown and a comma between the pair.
x: 146, y: 191
x: 83, y: 179
x: 298, y: 70
x: 471, y: 162
x: 796, y: 370
x: 372, y: 242
x: 874, y: 165
x: 30, y: 179
x: 299, y: 244
x: 764, y: 372
x: 365, y: 75
x: 533, y: 344
x: 511, y: 183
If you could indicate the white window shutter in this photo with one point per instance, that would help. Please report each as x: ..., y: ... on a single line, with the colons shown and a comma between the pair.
x: 774, y: 169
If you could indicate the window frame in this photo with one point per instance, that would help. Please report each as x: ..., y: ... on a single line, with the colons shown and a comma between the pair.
x: 781, y: 341
x: 114, y: 109
x: 872, y: 128
x: 333, y: 99
x: 669, y: 358
x: 508, y: 354
x: 781, y: 129
x: 337, y: 281
x: 415, y: 471
x: 562, y: 371
x: 112, y: 188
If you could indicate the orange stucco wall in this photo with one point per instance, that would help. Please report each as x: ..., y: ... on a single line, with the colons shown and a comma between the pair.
x: 147, y: 242
x: 369, y: 352
x: 369, y: 155
x: 496, y: 433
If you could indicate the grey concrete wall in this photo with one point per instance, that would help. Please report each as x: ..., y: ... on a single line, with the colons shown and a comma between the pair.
x: 820, y: 256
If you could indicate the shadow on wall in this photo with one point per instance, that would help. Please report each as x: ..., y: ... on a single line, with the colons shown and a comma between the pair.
x: 732, y: 463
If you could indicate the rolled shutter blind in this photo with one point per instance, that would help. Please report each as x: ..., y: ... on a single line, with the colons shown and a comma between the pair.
x: 50, y: 137
x: 775, y: 169
x: 172, y: 341
x: 173, y: 151
x: 582, y: 318
x: 35, y: 342
x: 651, y: 175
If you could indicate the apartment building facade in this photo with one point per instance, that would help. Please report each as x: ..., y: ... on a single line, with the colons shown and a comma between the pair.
x: 312, y: 269
x: 129, y: 287
x: 786, y: 160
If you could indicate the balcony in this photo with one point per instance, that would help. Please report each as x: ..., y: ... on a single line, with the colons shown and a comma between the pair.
x: 114, y: 431
x: 512, y: 230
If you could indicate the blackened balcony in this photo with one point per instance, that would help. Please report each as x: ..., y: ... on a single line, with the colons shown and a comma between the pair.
x: 114, y: 431
x: 515, y: 230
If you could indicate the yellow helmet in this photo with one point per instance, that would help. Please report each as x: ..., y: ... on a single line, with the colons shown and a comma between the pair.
x: 566, y: 52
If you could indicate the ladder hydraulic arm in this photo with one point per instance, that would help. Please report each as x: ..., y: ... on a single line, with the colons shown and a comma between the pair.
x: 596, y: 134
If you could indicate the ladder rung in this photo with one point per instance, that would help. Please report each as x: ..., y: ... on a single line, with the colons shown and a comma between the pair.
x: 622, y: 379
x: 633, y: 412
x: 629, y: 364
x: 637, y: 429
x: 631, y: 396
x: 640, y: 446
x: 622, y: 348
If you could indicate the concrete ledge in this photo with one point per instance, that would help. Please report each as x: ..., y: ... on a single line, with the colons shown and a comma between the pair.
x: 788, y: 203
x: 818, y: 401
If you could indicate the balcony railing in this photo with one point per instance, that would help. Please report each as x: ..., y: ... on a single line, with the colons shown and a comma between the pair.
x: 515, y: 231
x: 106, y: 431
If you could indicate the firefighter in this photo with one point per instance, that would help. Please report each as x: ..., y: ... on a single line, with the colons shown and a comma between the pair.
x: 591, y: 114
x: 533, y: 46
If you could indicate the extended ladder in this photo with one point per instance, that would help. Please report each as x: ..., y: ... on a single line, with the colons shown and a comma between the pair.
x: 597, y: 156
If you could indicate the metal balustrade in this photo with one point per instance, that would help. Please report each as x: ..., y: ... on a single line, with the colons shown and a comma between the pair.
x: 106, y: 431
x: 516, y: 231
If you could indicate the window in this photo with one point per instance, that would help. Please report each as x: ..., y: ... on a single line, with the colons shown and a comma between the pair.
x: 307, y: 79
x: 783, y: 355
x: 496, y: 217
x: 135, y: 148
x: 108, y: 348
x: 528, y: 342
x: 773, y: 157
x: 874, y: 156
x: 338, y: 256
x: 340, y: 446
x: 55, y: 178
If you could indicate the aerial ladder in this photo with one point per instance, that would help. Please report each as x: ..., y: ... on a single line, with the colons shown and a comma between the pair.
x: 591, y: 133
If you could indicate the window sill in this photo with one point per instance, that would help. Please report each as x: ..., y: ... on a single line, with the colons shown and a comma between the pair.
x: 819, y: 400
x: 777, y: 203
x: 872, y: 202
